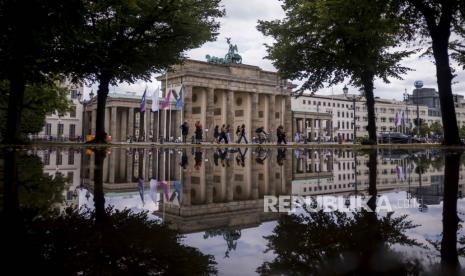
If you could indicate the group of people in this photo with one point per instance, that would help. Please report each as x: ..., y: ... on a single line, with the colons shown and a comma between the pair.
x: 223, y: 134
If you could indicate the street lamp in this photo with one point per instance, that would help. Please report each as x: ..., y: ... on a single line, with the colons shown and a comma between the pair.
x: 84, y: 104
x: 345, y: 90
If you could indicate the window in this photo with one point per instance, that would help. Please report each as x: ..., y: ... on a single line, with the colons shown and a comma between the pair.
x: 305, y: 101
x: 70, y: 157
x: 60, y: 129
x: 47, y: 158
x: 74, y: 94
x: 48, y: 129
x: 59, y: 158
x: 72, y: 112
x: 338, y: 114
x: 72, y: 130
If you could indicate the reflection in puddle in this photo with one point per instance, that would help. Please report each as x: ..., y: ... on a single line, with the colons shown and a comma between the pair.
x: 215, y: 198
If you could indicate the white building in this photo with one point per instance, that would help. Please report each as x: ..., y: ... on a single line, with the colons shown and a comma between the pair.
x: 65, y: 125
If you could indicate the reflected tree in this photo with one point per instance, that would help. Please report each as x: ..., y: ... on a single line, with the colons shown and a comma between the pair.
x: 231, y: 236
x: 320, y: 243
x: 103, y: 241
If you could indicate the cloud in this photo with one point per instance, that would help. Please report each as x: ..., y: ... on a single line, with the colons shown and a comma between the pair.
x: 240, y: 25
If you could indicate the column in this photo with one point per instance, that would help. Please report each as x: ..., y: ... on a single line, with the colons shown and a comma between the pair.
x: 111, y: 167
x: 187, y: 110
x: 93, y: 121
x: 254, y: 112
x: 107, y: 120
x: 209, y: 181
x: 249, y: 112
x: 147, y: 114
x: 113, y: 126
x: 130, y: 167
x: 312, y: 124
x: 131, y: 122
x: 230, y: 109
x: 124, y: 125
x: 272, y: 116
x: 210, y: 112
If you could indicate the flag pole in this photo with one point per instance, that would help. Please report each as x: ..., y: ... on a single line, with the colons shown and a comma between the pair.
x: 158, y: 119
x: 166, y: 92
x: 169, y: 123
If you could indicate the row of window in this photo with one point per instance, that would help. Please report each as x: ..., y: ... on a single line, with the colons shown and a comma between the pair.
x: 72, y: 113
x: 61, y: 130
x: 59, y: 158
x: 319, y: 103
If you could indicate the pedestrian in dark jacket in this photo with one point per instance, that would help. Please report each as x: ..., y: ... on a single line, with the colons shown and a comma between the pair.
x: 223, y: 135
x: 198, y: 132
x: 184, y: 131
x: 242, y: 135
x: 216, y: 133
x: 281, y: 135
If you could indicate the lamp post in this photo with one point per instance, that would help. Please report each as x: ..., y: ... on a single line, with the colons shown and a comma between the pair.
x: 406, y: 109
x: 84, y: 104
x: 345, y: 90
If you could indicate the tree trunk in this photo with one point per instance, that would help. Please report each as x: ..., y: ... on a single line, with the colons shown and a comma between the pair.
x: 99, y: 197
x: 444, y: 79
x: 102, y: 93
x: 367, y: 81
x: 15, y: 106
x: 449, y: 255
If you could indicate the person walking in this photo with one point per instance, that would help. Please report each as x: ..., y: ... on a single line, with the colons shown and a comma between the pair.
x: 238, y: 131
x: 242, y: 135
x: 281, y: 135
x: 198, y: 132
x: 223, y: 135
x: 216, y: 134
x: 184, y: 131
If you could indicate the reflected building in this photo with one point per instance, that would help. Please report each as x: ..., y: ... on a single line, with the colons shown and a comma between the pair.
x: 67, y: 163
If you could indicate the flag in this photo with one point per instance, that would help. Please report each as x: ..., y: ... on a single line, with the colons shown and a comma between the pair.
x: 179, y: 99
x: 166, y: 101
x: 140, y: 187
x: 153, y: 190
x: 142, y: 101
x: 396, y: 120
x: 403, y: 118
x: 155, y: 96
x: 410, y: 125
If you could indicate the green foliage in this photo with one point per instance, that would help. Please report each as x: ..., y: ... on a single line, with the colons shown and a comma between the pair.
x: 436, y: 128
x: 124, y: 40
x: 38, y: 100
x: 423, y: 129
x: 462, y: 132
x: 365, y: 140
x: 324, y: 41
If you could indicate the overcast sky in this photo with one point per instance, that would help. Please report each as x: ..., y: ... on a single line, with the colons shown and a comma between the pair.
x: 240, y: 24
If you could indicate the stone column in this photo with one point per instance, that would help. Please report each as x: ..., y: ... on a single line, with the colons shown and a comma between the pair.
x: 272, y: 116
x: 93, y: 121
x: 312, y: 135
x: 210, y: 112
x: 254, y: 112
x: 147, y: 122
x: 124, y: 125
x: 130, y: 167
x: 107, y: 120
x: 230, y: 109
x: 131, y: 122
x: 187, y: 110
x: 209, y: 180
x: 111, y: 167
x: 113, y: 125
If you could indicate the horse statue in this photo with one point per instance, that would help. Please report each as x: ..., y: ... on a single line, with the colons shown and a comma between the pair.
x: 231, y: 57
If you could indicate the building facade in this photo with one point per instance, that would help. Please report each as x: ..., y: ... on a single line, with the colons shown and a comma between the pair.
x: 69, y: 125
x: 214, y: 94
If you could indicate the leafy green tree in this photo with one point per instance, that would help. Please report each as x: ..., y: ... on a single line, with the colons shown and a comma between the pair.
x: 123, y: 41
x: 38, y: 101
x: 436, y: 20
x: 436, y: 128
x: 462, y: 132
x: 326, y: 41
x: 31, y: 48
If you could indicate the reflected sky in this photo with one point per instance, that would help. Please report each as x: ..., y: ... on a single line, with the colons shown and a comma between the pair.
x: 214, y: 197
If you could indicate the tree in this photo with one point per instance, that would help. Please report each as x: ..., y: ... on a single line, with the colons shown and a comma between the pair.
x: 324, y: 42
x: 436, y: 20
x: 122, y: 41
x: 31, y: 48
x: 436, y: 128
x: 462, y: 132
x: 39, y: 99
